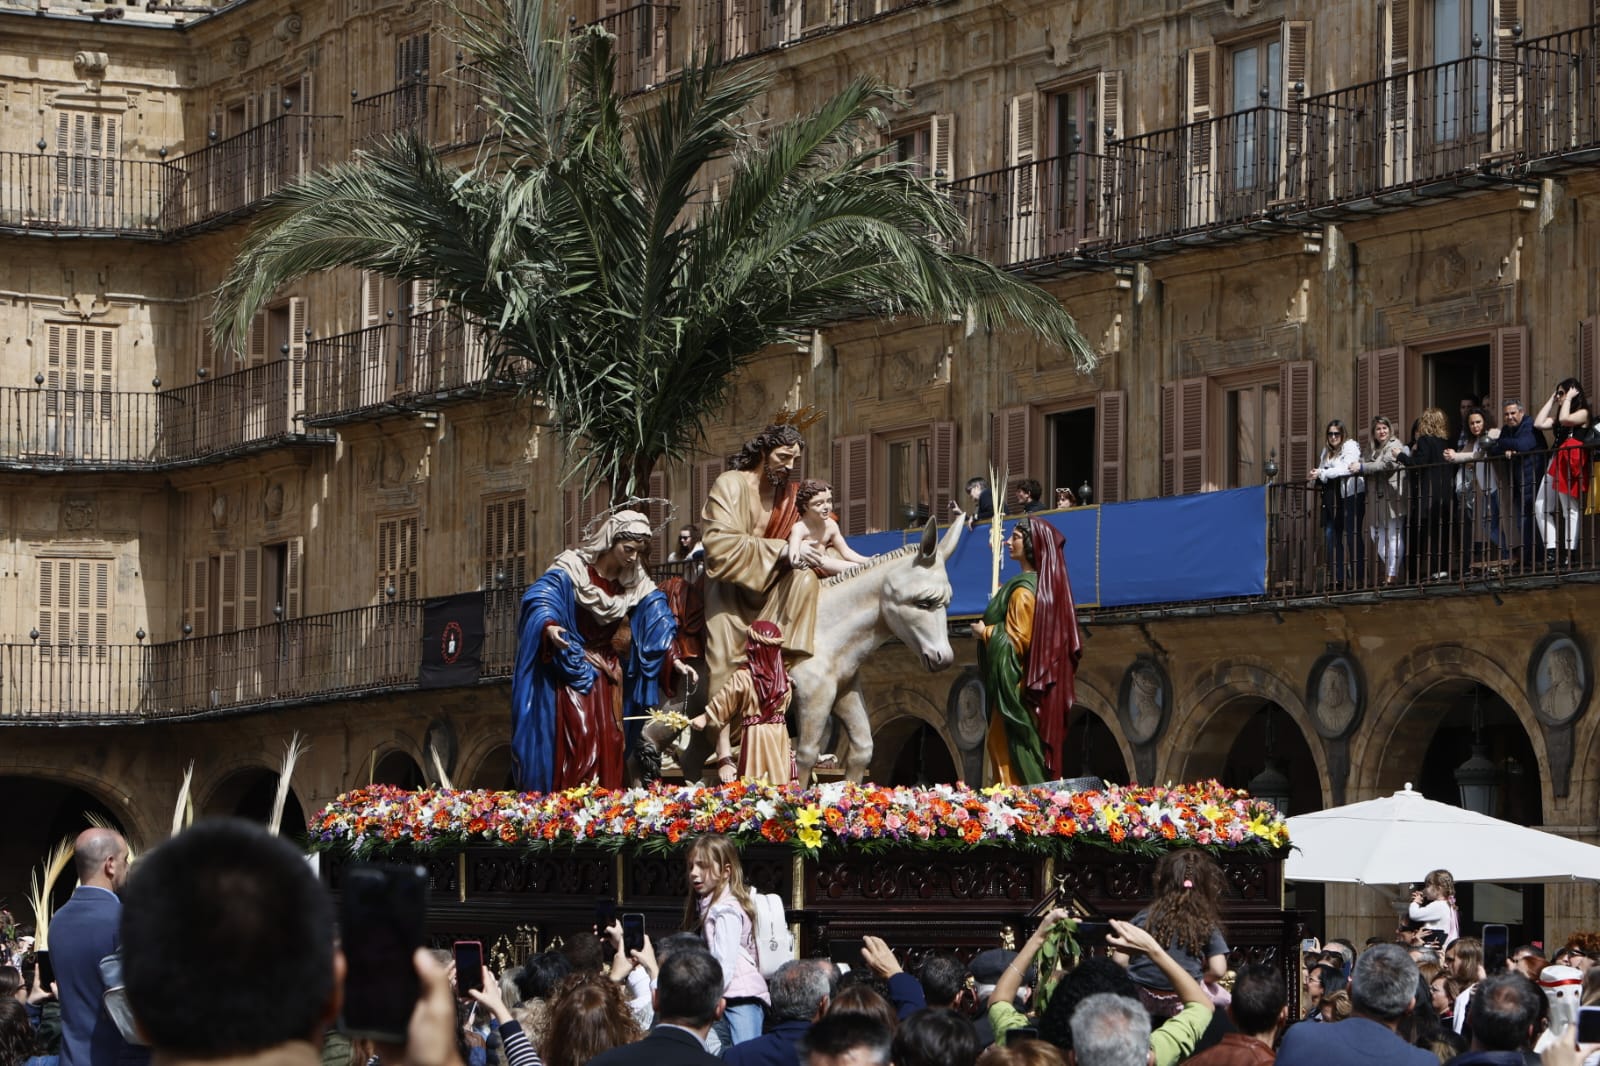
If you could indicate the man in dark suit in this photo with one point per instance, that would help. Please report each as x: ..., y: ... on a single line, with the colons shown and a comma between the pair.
x: 1383, y: 990
x: 83, y: 932
x: 688, y: 1001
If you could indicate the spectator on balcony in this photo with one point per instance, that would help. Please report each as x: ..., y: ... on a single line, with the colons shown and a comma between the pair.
x: 1030, y: 496
x: 1344, y: 502
x: 1386, y: 496
x: 1559, y: 502
x: 689, y: 546
x: 982, y: 500
x: 1477, y: 486
x: 1519, y: 443
x: 1435, y: 496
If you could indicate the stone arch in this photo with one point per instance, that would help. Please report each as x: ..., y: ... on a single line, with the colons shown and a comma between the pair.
x: 1092, y: 700
x: 896, y: 721
x: 490, y: 769
x: 1209, y: 715
x: 382, y: 747
x: 245, y: 791
x: 143, y: 828
x: 397, y: 767
x: 477, y: 752
x: 1392, y: 743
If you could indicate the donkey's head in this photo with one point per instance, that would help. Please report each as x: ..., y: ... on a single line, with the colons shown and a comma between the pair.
x: 916, y: 595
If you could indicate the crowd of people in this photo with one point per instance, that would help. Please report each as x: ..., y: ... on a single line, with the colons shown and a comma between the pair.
x: 222, y: 947
x: 1430, y: 506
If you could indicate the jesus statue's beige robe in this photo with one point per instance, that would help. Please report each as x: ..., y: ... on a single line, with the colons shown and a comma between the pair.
x: 746, y: 578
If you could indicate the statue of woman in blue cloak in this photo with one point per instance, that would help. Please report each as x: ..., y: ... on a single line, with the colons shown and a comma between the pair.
x: 570, y: 688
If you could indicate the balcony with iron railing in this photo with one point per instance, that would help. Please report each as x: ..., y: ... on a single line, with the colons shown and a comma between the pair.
x: 231, y: 177
x: 1048, y: 211
x: 417, y: 108
x: 645, y: 49
x: 1560, y: 98
x: 422, y: 360
x: 63, y: 195
x: 1437, y: 131
x: 252, y: 410
x: 738, y: 29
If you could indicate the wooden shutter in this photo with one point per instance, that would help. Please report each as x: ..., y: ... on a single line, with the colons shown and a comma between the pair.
x: 579, y: 510
x: 1587, y: 364
x: 494, y: 524
x: 1508, y: 374
x: 1398, y: 18
x: 569, y: 517
x: 409, y: 555
x: 420, y: 295
x: 1109, y: 94
x: 197, y: 595
x: 411, y: 59
x: 74, y: 602
x: 372, y: 286
x: 228, y: 593
x: 1507, y: 66
x: 249, y: 588
x: 55, y: 603
x: 1111, y: 426
x: 1297, y: 391
x: 656, y: 512
x: 298, y: 327
x: 1296, y: 87
x: 852, y: 482
x: 1198, y: 102
x: 256, y: 342
x: 1022, y: 118
x: 1011, y: 449
x: 942, y: 442
x: 702, y: 476
x: 399, y: 551
x: 1381, y: 390
x: 942, y: 148
x: 294, y: 550
x: 1184, y: 432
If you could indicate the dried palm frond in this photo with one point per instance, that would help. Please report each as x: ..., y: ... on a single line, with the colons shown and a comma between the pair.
x: 39, y: 895
x: 183, y: 811
x: 291, y: 755
x: 438, y: 766
x: 660, y: 716
x: 100, y: 821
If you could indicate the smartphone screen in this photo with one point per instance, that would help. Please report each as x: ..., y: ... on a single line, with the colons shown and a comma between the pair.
x: 1496, y: 948
x: 469, y: 966
x: 1589, y: 1025
x: 381, y: 926
x: 843, y: 952
x: 605, y: 913
x: 632, y: 932
x: 47, y: 973
x: 1308, y: 946
x: 1022, y: 1032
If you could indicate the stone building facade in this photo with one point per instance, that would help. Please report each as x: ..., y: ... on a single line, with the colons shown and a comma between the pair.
x: 1263, y: 213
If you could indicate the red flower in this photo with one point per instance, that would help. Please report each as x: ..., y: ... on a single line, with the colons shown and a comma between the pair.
x: 508, y: 832
x: 774, y: 831
x: 971, y: 831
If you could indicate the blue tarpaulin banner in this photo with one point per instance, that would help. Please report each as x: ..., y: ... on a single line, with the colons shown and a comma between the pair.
x: 1211, y: 545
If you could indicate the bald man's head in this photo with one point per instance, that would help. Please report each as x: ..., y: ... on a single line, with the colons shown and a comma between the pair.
x: 102, y: 858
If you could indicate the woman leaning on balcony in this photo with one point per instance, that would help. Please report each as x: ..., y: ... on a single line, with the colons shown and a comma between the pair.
x: 1559, y: 504
x: 1386, y: 496
x: 1343, y: 505
x: 1434, y: 498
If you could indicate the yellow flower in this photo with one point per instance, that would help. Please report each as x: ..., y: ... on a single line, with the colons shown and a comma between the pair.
x: 810, y: 837
x: 1261, y: 827
x: 807, y: 818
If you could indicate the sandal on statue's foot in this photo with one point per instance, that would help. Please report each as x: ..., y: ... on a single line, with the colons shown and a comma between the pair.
x: 727, y: 769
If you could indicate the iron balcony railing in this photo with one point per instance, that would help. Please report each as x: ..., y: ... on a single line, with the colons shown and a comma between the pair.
x: 1561, y: 98
x: 339, y: 654
x: 417, y: 108
x: 1466, y: 525
x: 647, y: 52
x: 735, y: 29
x: 71, y: 194
x: 470, y: 117
x: 233, y: 176
x: 1225, y: 171
x: 253, y: 409
x: 423, y: 359
x: 1448, y: 124
x: 1045, y: 210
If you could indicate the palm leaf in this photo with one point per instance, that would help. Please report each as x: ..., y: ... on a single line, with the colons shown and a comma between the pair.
x: 183, y: 810
x: 292, y: 750
x: 40, y: 894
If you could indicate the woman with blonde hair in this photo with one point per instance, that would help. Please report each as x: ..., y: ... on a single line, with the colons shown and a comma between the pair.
x: 1386, y: 496
x: 1434, y: 497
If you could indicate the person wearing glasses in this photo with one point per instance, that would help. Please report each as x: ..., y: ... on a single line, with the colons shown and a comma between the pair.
x: 1344, y: 501
x: 689, y: 546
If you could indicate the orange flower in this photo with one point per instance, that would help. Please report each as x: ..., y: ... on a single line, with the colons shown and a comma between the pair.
x: 971, y: 831
x: 477, y: 825
x: 774, y: 831
x: 508, y: 832
x: 1168, y: 831
x: 1117, y: 833
x: 834, y: 817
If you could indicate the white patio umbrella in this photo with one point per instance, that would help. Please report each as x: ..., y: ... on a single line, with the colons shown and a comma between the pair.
x: 1398, y: 839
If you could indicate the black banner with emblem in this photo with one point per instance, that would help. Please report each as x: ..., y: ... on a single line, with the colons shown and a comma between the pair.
x: 452, y: 641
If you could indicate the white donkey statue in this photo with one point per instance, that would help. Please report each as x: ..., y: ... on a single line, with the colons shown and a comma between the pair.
x: 898, y: 594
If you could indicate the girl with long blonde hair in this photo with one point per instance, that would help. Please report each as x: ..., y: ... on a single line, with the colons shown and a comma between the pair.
x: 719, y: 908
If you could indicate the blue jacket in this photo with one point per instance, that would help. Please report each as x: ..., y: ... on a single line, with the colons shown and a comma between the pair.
x: 1356, y: 1041
x: 82, y: 933
x: 1526, y: 465
x: 779, y: 1046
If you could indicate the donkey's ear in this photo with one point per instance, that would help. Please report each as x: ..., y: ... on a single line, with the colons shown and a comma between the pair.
x: 928, y: 551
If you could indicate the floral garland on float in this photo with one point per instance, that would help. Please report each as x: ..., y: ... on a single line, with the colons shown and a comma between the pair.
x: 834, y: 816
